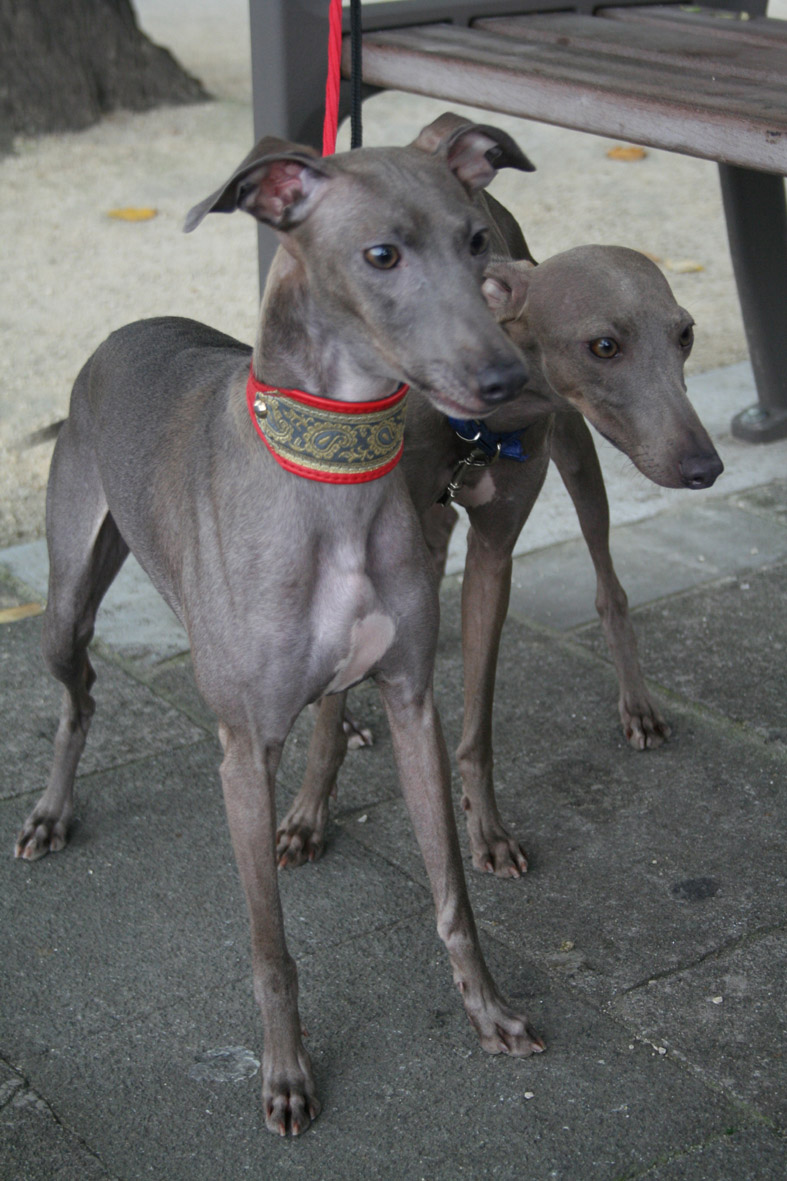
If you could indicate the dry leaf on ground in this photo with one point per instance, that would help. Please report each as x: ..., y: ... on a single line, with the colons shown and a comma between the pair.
x: 683, y: 266
x: 627, y: 153
x: 133, y: 213
x: 23, y: 611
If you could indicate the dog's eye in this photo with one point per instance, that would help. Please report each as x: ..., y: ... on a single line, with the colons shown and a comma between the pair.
x: 384, y: 258
x: 604, y: 347
x: 686, y: 338
x: 479, y: 243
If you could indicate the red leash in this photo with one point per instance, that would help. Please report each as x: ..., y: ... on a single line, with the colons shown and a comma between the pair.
x: 331, y: 122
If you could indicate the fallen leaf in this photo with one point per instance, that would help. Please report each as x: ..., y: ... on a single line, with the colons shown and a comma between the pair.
x: 24, y: 611
x: 627, y: 153
x: 683, y: 266
x: 132, y: 213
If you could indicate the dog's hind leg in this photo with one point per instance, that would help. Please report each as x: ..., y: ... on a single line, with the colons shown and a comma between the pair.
x: 85, y: 553
x: 575, y: 456
x: 301, y: 834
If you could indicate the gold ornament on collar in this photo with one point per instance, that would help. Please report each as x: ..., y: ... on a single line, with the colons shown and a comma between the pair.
x: 322, y: 439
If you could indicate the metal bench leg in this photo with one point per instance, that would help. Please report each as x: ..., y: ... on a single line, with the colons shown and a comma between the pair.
x: 289, y: 48
x: 756, y: 213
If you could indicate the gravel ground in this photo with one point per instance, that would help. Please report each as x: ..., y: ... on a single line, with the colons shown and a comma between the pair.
x: 73, y: 274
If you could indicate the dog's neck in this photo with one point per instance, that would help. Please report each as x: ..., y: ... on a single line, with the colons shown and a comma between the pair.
x: 301, y: 346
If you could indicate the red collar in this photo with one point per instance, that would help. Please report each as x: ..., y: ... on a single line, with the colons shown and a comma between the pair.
x: 321, y: 439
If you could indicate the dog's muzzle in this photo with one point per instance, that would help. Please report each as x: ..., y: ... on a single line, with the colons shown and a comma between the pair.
x: 700, y: 471
x: 501, y: 382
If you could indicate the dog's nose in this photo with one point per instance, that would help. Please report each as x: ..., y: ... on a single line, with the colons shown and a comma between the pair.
x: 500, y: 382
x: 700, y: 471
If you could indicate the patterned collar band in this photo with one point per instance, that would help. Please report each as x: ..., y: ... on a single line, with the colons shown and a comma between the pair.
x: 320, y: 439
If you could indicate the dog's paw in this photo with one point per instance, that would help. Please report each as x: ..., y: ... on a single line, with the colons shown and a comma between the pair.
x: 300, y: 837
x: 40, y: 835
x: 493, y: 849
x: 357, y: 734
x: 643, y: 724
x: 290, y: 1104
x: 502, y: 1031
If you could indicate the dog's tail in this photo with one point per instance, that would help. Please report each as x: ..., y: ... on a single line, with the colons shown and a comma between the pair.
x: 45, y: 435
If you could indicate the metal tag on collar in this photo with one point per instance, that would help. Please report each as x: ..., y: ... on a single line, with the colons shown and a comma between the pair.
x: 476, y: 458
x: 486, y: 441
x: 469, y: 423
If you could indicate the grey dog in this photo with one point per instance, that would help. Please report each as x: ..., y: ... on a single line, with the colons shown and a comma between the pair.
x: 290, y: 587
x: 604, y: 340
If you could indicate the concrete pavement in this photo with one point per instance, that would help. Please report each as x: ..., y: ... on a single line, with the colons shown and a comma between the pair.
x: 648, y: 939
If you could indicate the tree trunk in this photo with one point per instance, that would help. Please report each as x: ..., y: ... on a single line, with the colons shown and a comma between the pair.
x: 65, y: 63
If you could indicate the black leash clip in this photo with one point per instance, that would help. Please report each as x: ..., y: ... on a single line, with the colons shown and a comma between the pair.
x: 478, y: 457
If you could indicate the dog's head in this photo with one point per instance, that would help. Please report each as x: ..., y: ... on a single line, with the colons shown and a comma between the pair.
x: 602, y: 333
x: 389, y: 246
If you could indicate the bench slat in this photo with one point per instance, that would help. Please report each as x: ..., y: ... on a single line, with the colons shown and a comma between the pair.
x: 662, y: 42
x: 729, y: 118
x: 593, y: 67
x: 762, y: 31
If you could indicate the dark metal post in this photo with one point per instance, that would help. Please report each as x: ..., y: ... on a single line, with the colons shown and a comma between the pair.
x: 756, y: 213
x: 289, y: 45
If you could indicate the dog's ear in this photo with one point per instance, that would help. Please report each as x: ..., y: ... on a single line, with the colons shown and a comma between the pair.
x: 474, y: 151
x: 505, y: 287
x: 277, y: 183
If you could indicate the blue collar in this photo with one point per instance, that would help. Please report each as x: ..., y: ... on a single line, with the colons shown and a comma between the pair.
x: 504, y: 443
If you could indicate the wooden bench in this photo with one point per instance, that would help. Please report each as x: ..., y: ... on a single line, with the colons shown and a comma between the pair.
x: 704, y: 82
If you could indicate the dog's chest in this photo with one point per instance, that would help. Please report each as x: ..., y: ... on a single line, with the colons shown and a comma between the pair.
x: 351, y: 626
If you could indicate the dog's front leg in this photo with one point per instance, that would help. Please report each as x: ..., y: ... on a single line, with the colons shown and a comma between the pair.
x: 577, y: 461
x: 486, y: 588
x: 437, y: 523
x: 485, y: 593
x: 422, y: 761
x: 248, y: 774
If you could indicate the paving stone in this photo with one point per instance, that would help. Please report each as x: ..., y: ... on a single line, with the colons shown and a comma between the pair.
x: 661, y: 556
x: 173, y: 680
x: 133, y: 619
x: 726, y: 1018
x: 706, y: 648
x: 130, y: 722
x: 145, y: 906
x: 407, y: 1091
x: 14, y: 593
x: 644, y: 862
x: 768, y: 499
x: 34, y: 1145
x: 127, y: 959
x: 754, y: 1152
